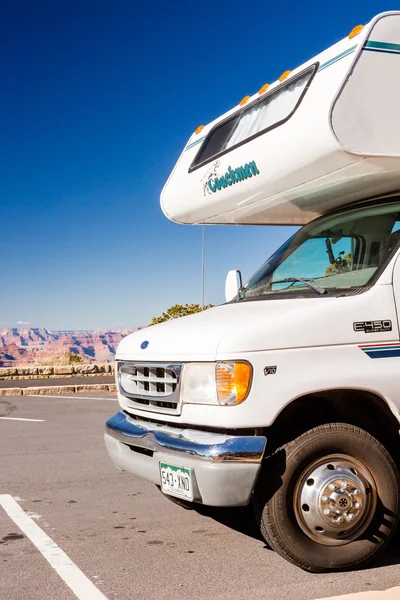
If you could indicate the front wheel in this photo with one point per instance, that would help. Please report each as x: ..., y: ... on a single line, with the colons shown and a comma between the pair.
x: 329, y: 500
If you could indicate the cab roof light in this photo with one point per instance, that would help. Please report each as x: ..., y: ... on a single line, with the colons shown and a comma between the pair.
x: 244, y: 100
x: 263, y: 88
x: 284, y: 75
x: 200, y: 128
x: 355, y: 31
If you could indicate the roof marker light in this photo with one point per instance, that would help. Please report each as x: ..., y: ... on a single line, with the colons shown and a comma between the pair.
x: 284, y: 75
x: 264, y: 88
x: 355, y: 31
x: 200, y: 127
x: 244, y: 100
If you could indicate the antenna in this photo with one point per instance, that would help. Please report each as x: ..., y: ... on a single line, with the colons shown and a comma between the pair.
x: 202, y: 267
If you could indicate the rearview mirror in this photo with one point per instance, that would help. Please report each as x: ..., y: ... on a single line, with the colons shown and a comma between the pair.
x: 233, y: 284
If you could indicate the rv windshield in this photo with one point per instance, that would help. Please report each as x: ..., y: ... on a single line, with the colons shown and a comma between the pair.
x: 334, y: 254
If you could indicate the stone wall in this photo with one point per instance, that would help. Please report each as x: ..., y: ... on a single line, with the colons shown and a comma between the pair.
x: 58, y: 390
x: 28, y: 372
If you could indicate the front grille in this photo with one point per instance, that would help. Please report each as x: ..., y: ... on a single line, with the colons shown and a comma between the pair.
x: 153, y: 387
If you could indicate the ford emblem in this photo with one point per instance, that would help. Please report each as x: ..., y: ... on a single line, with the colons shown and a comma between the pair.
x: 144, y: 345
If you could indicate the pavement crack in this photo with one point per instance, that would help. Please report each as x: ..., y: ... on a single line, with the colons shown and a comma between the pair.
x: 6, y: 408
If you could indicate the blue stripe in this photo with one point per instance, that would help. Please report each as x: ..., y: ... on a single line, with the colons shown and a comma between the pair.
x: 383, y: 353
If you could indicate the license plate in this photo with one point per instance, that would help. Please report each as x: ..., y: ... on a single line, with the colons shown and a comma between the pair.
x: 176, y: 481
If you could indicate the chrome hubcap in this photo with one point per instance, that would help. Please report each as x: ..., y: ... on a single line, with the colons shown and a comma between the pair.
x: 335, y: 499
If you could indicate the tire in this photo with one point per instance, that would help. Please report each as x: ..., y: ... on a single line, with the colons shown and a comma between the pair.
x: 293, y: 494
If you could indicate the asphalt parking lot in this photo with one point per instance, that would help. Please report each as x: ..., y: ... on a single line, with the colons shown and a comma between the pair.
x: 114, y: 536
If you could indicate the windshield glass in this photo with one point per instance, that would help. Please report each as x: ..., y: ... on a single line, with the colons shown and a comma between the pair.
x: 340, y: 252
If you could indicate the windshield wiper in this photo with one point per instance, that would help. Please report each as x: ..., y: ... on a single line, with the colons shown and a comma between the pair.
x: 308, y: 282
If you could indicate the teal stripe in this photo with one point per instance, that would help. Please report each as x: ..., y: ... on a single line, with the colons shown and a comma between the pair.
x: 338, y: 57
x: 382, y: 46
x: 370, y: 44
x: 195, y: 143
x: 380, y: 348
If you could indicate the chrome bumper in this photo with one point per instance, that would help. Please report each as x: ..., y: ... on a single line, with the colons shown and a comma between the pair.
x: 224, y: 467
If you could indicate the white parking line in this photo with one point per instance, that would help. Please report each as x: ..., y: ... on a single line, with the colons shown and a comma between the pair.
x: 21, y: 419
x: 81, y: 586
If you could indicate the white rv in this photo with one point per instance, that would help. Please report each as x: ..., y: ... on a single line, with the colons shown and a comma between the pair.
x: 287, y: 396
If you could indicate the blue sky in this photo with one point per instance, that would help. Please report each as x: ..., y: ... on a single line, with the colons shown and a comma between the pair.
x: 98, y: 99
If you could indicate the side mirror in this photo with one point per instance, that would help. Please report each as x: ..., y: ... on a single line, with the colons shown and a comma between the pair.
x: 233, y: 284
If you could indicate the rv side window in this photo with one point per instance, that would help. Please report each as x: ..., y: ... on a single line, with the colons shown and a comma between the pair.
x: 264, y: 114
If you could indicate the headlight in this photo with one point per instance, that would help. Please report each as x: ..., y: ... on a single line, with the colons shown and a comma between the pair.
x: 226, y: 383
x: 198, y: 384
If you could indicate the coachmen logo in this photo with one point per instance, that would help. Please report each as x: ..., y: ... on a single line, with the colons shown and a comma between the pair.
x: 215, y: 182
